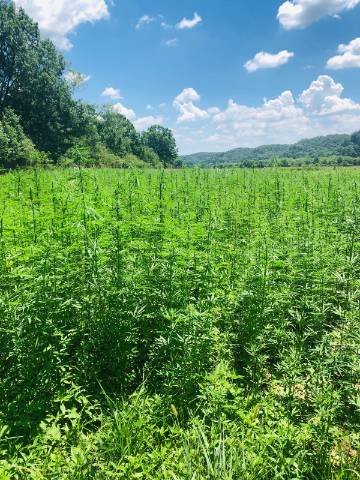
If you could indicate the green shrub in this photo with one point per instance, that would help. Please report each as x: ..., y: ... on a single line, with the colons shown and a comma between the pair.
x: 16, y: 149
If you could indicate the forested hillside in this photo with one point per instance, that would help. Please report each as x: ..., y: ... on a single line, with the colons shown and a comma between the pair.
x: 330, y: 149
x: 42, y: 123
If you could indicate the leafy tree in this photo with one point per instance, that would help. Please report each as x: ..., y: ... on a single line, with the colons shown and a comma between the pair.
x: 32, y: 83
x: 151, y: 157
x: 355, y: 138
x: 161, y: 140
x: 118, y: 134
x: 16, y: 149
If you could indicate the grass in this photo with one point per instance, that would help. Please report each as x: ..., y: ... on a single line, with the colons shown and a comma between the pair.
x: 190, y: 324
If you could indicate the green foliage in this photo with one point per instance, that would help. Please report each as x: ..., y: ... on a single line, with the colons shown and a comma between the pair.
x: 161, y: 140
x: 330, y: 149
x: 355, y: 138
x: 179, y: 324
x: 16, y: 149
x: 83, y: 155
x: 118, y: 134
x: 33, y: 85
x: 150, y: 157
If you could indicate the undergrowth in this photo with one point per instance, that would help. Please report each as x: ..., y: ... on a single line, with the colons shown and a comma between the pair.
x: 190, y: 324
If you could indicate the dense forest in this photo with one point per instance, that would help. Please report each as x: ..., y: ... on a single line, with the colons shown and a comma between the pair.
x: 42, y: 123
x: 327, y: 150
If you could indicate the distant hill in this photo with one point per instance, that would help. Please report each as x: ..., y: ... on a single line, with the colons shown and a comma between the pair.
x: 327, y: 149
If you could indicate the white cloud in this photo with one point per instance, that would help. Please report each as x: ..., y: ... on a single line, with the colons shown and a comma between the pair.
x: 146, y: 122
x: 172, y: 42
x: 301, y: 13
x: 57, y: 19
x: 122, y: 110
x: 187, y: 23
x: 76, y: 79
x: 188, y: 95
x: 323, y: 98
x: 145, y: 20
x: 165, y: 25
x: 276, y: 111
x: 349, y: 56
x: 268, y: 60
x: 320, y: 109
x: 184, y: 103
x: 112, y: 93
x: 320, y: 89
x: 148, y: 19
x: 214, y: 110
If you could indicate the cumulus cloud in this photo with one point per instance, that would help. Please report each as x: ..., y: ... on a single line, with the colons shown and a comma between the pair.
x: 184, y: 103
x: 187, y: 23
x: 268, y: 60
x: 214, y: 110
x: 349, y: 56
x: 112, y: 93
x: 145, y: 122
x: 320, y: 109
x: 58, y: 19
x: 301, y: 13
x: 276, y: 112
x: 76, y: 79
x: 122, y: 110
x: 324, y: 97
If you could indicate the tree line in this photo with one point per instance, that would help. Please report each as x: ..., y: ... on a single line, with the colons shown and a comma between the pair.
x: 42, y: 123
x: 326, y: 150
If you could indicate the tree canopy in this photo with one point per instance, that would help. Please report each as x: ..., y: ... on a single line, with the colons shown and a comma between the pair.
x: 118, y: 134
x: 355, y: 138
x: 162, y: 141
x: 37, y: 100
x: 33, y: 85
x: 329, y: 149
x: 16, y: 149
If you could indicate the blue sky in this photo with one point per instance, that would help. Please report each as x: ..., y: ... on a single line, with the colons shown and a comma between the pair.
x: 220, y: 73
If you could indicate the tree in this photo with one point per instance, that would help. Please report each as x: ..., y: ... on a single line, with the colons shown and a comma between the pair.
x: 118, y: 134
x: 162, y: 141
x: 150, y: 157
x: 32, y: 83
x: 16, y: 149
x: 355, y: 138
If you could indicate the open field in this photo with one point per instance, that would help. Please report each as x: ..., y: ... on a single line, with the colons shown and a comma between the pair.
x: 180, y: 325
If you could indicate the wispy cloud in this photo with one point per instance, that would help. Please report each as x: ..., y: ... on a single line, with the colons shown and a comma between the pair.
x: 187, y: 23
x: 172, y: 42
x: 145, y: 20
